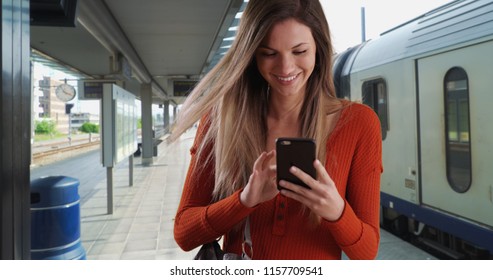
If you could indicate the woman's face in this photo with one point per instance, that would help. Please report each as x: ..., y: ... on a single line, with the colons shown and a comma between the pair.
x: 286, y: 57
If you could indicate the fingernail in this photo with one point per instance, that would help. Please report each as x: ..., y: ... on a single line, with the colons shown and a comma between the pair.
x: 293, y: 169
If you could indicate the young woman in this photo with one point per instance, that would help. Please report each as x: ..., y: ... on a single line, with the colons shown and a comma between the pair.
x: 276, y: 81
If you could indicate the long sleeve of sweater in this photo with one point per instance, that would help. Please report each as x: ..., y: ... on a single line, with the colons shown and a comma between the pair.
x: 357, y: 231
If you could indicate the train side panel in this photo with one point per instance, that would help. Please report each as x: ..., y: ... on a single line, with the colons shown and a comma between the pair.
x: 472, y: 199
x: 399, y: 178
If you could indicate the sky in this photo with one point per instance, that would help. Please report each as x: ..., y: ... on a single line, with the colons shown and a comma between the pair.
x: 344, y: 17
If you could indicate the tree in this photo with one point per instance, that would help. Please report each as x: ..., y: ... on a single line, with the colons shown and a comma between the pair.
x: 45, y: 126
x: 89, y: 128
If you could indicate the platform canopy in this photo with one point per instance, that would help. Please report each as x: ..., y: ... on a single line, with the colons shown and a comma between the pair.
x: 139, y: 41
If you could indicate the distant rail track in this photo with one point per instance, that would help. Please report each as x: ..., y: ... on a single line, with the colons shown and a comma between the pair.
x: 62, y: 149
x: 49, y: 151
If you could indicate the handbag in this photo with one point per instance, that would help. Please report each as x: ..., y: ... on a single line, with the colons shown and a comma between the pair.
x: 213, y: 251
x: 210, y: 251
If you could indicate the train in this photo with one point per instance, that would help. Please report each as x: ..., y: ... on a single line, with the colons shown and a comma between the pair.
x: 430, y: 80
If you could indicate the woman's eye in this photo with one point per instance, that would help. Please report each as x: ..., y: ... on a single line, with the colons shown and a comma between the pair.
x: 299, y: 52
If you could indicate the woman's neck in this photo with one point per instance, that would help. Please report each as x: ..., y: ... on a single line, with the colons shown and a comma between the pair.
x: 283, y: 116
x: 284, y: 109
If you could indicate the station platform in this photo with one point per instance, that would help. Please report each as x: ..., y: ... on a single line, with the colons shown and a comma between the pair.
x: 141, y: 226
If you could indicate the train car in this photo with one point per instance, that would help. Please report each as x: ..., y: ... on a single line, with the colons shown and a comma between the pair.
x: 430, y: 80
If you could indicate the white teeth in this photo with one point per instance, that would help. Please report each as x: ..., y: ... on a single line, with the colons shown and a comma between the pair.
x: 287, y: 79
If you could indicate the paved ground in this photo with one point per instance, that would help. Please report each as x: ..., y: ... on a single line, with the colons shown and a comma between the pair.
x: 141, y: 226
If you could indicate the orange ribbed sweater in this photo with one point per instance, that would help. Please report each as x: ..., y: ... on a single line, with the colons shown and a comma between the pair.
x: 279, y: 229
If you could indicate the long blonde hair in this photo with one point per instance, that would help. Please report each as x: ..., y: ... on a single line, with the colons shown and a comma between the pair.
x: 235, y: 95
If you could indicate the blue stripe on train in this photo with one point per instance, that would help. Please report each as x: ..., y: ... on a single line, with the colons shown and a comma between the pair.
x: 479, y: 235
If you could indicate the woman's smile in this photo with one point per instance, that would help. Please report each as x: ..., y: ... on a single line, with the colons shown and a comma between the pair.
x: 287, y: 79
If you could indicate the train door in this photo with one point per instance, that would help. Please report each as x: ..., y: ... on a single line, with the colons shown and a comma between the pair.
x: 456, y: 132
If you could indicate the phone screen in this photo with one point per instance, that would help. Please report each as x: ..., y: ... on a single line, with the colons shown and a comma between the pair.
x: 299, y: 152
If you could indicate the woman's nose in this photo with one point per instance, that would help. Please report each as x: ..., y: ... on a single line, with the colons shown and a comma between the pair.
x: 285, y: 64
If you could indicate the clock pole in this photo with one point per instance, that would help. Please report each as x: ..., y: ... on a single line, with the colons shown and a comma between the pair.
x: 68, y: 108
x: 69, y: 129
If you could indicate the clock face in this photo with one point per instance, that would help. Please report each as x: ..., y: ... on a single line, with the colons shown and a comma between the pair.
x: 65, y: 92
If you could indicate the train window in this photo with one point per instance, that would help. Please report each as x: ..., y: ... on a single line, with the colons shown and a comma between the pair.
x: 375, y: 96
x: 458, y: 145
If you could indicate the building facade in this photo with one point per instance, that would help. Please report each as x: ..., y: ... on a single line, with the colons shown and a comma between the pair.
x: 78, y: 119
x: 50, y: 106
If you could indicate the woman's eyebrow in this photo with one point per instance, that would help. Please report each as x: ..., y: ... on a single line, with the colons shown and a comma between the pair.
x: 267, y: 47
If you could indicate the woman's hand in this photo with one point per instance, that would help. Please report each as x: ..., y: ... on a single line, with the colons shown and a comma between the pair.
x: 323, y: 198
x: 261, y: 185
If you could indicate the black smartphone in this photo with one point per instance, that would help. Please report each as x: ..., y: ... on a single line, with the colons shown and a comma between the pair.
x: 299, y: 152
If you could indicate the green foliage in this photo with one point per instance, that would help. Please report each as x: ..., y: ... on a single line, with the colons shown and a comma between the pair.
x: 89, y: 128
x: 45, y: 126
x: 139, y: 123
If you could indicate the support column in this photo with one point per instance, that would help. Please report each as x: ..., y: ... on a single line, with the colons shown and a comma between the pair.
x: 15, y: 131
x: 166, y: 116
x: 147, y: 135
